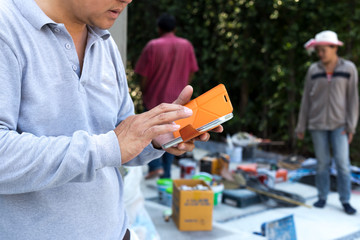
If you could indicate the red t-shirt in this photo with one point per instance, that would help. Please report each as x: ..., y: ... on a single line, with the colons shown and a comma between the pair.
x: 166, y: 62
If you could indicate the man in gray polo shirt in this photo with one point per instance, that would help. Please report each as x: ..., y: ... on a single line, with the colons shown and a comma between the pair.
x: 67, y: 121
x: 329, y: 109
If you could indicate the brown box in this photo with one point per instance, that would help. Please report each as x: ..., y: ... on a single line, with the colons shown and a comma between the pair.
x: 192, y: 209
x: 213, y: 164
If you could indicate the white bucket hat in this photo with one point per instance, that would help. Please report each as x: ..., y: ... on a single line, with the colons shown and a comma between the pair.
x: 323, y: 38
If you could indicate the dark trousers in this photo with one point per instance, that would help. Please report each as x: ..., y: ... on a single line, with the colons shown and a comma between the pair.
x: 163, y: 162
x: 127, y: 235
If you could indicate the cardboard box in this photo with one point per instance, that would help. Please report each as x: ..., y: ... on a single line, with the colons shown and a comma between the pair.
x: 213, y: 164
x: 192, y: 209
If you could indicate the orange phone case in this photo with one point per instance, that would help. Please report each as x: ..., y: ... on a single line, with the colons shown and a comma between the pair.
x: 206, y: 108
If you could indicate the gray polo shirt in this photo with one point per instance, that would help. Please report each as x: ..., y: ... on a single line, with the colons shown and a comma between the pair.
x: 329, y: 103
x: 58, y: 153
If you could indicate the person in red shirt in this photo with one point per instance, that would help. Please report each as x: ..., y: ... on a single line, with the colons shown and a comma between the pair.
x: 166, y: 66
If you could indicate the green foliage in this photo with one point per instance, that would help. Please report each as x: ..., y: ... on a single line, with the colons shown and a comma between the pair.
x: 134, y: 90
x: 256, y: 49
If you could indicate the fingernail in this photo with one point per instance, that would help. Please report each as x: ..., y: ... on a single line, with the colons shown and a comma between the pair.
x: 176, y: 126
x: 188, y: 110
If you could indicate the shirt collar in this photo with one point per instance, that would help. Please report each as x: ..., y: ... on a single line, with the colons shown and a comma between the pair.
x: 33, y: 13
x: 339, y: 62
x: 104, y: 34
x: 168, y: 34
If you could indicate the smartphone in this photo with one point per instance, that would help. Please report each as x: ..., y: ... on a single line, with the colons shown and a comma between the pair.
x: 209, y: 111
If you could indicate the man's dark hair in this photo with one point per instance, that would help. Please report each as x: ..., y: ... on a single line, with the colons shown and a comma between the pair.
x: 166, y: 22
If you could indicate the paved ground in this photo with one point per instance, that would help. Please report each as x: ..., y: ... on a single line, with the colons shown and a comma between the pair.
x: 240, y: 223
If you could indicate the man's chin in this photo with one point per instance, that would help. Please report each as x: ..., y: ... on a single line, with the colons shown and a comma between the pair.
x: 324, y: 61
x: 104, y: 26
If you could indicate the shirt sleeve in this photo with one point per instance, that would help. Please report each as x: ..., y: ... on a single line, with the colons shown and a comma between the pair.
x: 352, y: 110
x: 31, y: 163
x: 143, y: 64
x: 126, y: 110
x: 304, y: 107
x: 192, y: 60
x: 147, y: 155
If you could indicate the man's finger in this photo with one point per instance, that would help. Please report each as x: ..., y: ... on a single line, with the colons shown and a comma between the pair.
x: 181, y: 148
x: 158, y: 130
x: 350, y: 137
x: 186, y: 146
x: 169, y: 117
x: 162, y: 108
x: 184, y: 96
x: 175, y: 151
x: 218, y: 129
x: 203, y: 137
x: 300, y: 136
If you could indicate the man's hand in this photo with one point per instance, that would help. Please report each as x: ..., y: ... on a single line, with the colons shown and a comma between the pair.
x: 188, y: 146
x: 137, y: 131
x: 300, y: 135
x: 350, y: 136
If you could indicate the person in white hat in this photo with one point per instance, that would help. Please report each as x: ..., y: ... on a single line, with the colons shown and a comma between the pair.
x: 329, y: 110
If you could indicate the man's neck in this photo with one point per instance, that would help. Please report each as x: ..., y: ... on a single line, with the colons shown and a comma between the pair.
x: 58, y: 12
x: 76, y: 29
x: 162, y: 34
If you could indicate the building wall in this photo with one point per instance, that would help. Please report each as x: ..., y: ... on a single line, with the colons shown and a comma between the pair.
x: 119, y: 33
